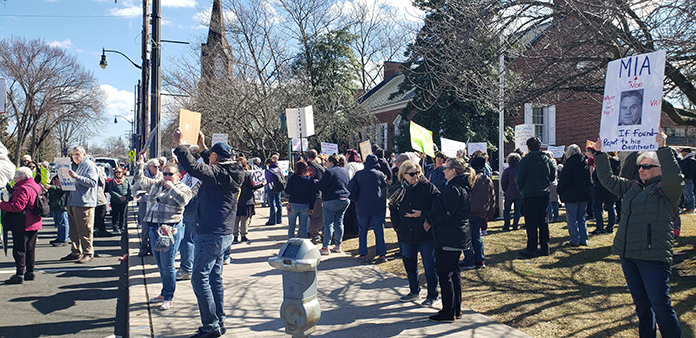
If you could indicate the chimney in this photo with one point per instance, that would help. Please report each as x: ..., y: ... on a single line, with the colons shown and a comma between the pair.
x: 391, y: 68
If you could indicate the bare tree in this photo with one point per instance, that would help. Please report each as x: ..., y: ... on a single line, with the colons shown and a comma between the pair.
x: 45, y: 87
x: 565, y: 44
x: 381, y: 34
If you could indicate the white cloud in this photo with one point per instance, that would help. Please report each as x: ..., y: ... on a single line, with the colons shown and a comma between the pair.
x: 179, y: 3
x: 80, y: 50
x: 119, y: 102
x: 61, y: 44
x: 130, y: 11
x: 203, y: 18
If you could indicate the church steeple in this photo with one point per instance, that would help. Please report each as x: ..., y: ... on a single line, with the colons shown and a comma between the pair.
x: 216, y: 57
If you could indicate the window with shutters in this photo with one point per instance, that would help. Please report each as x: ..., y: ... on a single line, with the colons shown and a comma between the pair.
x: 543, y: 117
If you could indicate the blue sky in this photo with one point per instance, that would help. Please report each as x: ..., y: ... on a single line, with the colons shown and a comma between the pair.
x: 84, y: 27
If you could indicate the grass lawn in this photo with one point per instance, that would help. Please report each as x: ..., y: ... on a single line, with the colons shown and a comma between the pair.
x: 574, y: 292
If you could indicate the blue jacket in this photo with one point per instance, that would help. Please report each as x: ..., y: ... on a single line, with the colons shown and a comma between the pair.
x: 368, y: 189
x: 334, y: 184
x: 85, y: 194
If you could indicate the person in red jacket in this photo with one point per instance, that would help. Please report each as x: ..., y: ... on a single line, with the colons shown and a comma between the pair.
x: 23, y: 224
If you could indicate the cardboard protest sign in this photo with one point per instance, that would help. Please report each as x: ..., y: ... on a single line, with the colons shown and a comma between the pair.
x: 365, y: 149
x: 217, y: 138
x: 296, y: 144
x: 67, y: 183
x: 474, y: 146
x: 300, y: 122
x: 422, y: 139
x: 329, y: 148
x: 523, y: 132
x: 632, y: 102
x: 190, y: 124
x: 558, y: 151
x: 450, y: 147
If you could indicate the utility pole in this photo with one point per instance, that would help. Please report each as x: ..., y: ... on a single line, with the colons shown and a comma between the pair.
x: 145, y: 81
x: 156, y: 80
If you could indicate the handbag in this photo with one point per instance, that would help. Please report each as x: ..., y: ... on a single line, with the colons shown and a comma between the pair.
x: 165, y: 238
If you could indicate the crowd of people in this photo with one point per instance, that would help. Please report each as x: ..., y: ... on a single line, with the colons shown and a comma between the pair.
x: 201, y: 202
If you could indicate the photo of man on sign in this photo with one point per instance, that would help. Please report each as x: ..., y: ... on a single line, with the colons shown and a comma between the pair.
x: 631, y: 108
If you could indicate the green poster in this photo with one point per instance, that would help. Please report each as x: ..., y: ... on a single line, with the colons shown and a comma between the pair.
x: 422, y: 139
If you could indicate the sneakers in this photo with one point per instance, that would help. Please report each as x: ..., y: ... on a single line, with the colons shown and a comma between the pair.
x: 362, y: 260
x: 183, y: 275
x: 570, y: 244
x: 527, y: 253
x: 15, y: 279
x: 481, y: 266
x: 58, y: 243
x: 235, y: 240
x: 466, y: 267
x: 166, y: 305
x: 441, y: 319
x: 70, y: 257
x: 85, y: 259
x: 29, y: 275
x: 410, y: 297
x: 484, y: 233
x: 244, y: 239
x: 430, y: 302
x: 380, y: 259
x: 336, y: 249
x: 324, y: 251
x: 205, y: 334
x: 228, y: 261
x: 157, y: 299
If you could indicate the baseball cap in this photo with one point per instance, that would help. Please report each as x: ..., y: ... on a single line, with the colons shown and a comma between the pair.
x: 222, y: 149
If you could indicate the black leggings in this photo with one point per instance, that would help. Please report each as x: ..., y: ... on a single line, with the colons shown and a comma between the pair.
x: 24, y: 250
x: 118, y: 215
x: 447, y: 267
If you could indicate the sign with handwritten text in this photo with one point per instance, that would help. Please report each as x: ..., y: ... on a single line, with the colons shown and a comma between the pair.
x: 257, y: 177
x: 523, y: 132
x: 67, y: 183
x: 557, y: 151
x: 632, y: 102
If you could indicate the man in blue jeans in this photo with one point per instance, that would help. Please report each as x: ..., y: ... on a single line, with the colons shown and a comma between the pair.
x: 368, y: 189
x: 221, y: 177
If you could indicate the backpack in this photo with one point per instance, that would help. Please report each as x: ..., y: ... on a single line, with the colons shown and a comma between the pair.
x: 279, y: 182
x: 40, y: 207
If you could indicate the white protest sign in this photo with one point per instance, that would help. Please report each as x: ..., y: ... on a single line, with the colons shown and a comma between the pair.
x: 632, y: 102
x: 450, y: 147
x: 523, y: 132
x: 296, y: 144
x: 67, y: 183
x: 257, y: 177
x: 558, y: 151
x: 329, y: 148
x: 284, y: 166
x: 224, y: 138
x: 3, y: 94
x: 300, y: 122
x: 474, y: 146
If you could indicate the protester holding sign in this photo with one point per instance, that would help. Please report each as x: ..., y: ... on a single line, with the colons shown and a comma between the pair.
x: 575, y: 190
x: 645, y: 236
x: 245, y: 204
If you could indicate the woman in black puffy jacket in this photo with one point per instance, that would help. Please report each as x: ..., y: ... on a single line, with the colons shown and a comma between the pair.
x: 416, y: 193
x: 575, y: 190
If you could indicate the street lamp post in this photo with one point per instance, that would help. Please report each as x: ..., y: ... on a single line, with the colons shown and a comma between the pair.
x: 141, y: 115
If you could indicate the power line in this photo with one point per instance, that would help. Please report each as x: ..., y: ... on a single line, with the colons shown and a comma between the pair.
x: 67, y: 16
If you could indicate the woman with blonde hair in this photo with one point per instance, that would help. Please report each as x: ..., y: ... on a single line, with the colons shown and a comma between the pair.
x: 418, y: 193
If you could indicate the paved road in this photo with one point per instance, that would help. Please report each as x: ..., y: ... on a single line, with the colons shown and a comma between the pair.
x: 66, y: 299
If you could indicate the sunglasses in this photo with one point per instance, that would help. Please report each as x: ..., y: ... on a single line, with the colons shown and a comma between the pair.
x: 118, y: 172
x: 413, y: 174
x: 168, y: 174
x: 647, y: 166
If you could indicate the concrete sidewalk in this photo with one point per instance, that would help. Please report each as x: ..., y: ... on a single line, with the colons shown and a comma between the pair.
x: 357, y: 300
